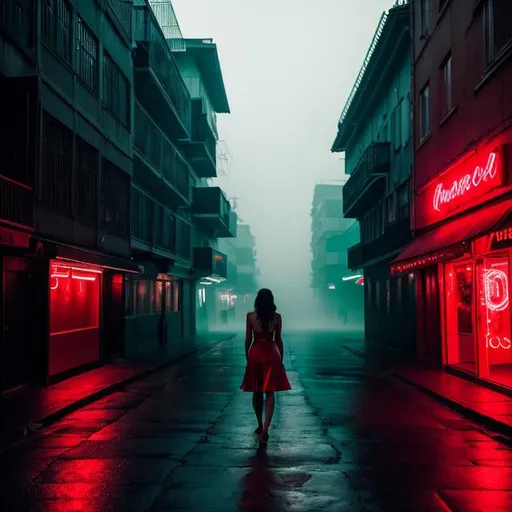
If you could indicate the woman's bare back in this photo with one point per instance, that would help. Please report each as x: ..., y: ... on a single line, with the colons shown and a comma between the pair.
x: 256, y: 324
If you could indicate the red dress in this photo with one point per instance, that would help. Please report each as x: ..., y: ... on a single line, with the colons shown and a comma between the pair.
x: 265, y: 370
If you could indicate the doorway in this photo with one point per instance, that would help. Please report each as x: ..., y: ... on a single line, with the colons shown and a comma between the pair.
x: 460, y: 316
x: 17, y: 329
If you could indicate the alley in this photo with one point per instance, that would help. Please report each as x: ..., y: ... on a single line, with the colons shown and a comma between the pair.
x: 347, y: 438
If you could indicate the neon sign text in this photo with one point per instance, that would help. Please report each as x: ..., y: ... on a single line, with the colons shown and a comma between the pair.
x: 496, y: 290
x: 496, y: 342
x: 466, y: 183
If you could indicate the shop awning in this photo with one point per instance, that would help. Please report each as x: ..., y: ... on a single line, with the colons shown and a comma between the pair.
x: 451, y: 240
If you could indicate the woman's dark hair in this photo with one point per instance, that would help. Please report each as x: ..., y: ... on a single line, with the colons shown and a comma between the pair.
x: 265, y: 307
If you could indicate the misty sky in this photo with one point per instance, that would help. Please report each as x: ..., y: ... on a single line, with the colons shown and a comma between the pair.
x: 288, y: 67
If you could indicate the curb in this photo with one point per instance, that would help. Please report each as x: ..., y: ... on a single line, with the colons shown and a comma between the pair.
x: 23, y: 431
x: 482, y: 419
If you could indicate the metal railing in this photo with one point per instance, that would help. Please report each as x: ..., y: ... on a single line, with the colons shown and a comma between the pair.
x: 16, y: 203
x: 375, y: 161
x: 17, y: 19
x: 156, y: 147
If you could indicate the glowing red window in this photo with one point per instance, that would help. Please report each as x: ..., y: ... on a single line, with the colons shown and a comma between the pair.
x: 74, y: 315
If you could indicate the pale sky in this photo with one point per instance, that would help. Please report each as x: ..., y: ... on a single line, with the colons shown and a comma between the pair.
x: 288, y: 67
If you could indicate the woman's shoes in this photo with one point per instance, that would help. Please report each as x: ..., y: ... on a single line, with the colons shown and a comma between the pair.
x: 263, y: 438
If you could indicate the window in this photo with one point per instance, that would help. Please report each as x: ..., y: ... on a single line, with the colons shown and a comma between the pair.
x: 57, y: 165
x: 447, y: 85
x: 390, y: 208
x: 115, y: 200
x: 424, y: 112
x: 497, y: 19
x: 86, y: 188
x: 424, y: 16
x: 406, y: 120
x: 56, y: 27
x: 397, y: 126
x: 86, y: 62
x: 116, y: 91
x: 403, y: 201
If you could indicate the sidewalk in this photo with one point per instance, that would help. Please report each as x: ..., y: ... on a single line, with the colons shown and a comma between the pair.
x: 26, y: 411
x: 491, y: 409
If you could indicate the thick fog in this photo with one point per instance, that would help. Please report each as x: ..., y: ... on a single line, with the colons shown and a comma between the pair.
x: 288, y: 68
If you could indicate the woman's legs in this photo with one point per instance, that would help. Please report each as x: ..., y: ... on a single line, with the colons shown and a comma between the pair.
x: 269, y: 410
x: 257, y: 403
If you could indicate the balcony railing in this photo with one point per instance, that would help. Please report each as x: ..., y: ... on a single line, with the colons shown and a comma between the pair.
x: 17, y: 19
x: 373, y: 165
x: 213, y: 212
x: 16, y: 203
x: 158, y: 150
x: 396, y: 236
x: 154, y: 55
x: 201, y: 129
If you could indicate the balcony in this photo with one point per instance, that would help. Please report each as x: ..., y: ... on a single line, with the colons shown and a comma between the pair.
x: 157, y: 163
x: 212, y: 212
x: 210, y: 263
x: 16, y: 204
x: 395, y: 237
x: 367, y: 183
x: 202, y: 145
x: 17, y: 20
x: 159, y: 85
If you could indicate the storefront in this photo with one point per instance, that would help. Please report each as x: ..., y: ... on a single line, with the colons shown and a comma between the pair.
x: 462, y: 261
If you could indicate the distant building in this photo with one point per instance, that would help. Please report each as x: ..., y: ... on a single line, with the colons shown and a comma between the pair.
x: 225, y: 304
x: 375, y: 134
x: 331, y: 236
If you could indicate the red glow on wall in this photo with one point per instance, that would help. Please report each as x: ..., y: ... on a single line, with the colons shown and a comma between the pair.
x: 74, y: 316
x: 463, y: 185
x: 218, y: 258
x: 360, y: 281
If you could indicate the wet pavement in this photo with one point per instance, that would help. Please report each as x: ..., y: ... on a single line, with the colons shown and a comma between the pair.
x: 346, y: 438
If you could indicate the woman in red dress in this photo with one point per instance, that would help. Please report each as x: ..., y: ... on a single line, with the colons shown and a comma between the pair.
x: 265, y: 371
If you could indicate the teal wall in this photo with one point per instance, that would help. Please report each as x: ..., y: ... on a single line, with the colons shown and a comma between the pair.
x: 379, y: 124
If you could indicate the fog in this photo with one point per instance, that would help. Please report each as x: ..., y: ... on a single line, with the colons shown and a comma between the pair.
x: 288, y: 68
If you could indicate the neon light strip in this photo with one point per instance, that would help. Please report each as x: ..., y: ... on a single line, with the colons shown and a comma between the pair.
x: 83, y: 278
x: 350, y: 278
x: 127, y: 271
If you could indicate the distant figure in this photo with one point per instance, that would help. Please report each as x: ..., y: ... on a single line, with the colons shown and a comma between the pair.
x: 265, y: 371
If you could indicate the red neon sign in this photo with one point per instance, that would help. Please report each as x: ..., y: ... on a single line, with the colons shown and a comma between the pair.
x: 462, y: 186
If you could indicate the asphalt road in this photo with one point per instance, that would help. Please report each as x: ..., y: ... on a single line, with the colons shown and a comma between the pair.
x: 348, y: 437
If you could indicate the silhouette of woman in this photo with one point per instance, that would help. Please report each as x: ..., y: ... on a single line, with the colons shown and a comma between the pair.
x: 264, y: 373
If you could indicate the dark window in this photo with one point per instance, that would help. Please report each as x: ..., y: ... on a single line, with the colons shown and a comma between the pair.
x: 424, y: 112
x: 397, y: 126
x: 123, y: 12
x: 402, y: 194
x: 424, y: 16
x: 447, y: 85
x: 56, y: 27
x: 497, y: 18
x: 86, y: 191
x: 183, y: 247
x: 116, y: 91
x: 391, y: 208
x: 17, y: 18
x: 57, y: 165
x: 86, y: 62
x: 115, y: 199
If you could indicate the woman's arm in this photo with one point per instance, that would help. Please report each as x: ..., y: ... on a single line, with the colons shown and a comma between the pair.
x: 248, y: 335
x: 279, y: 339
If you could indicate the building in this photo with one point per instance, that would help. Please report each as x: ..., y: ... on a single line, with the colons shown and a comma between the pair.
x: 462, y: 186
x: 66, y: 100
x: 331, y: 236
x: 176, y: 215
x: 374, y: 132
x: 107, y: 221
x: 225, y: 304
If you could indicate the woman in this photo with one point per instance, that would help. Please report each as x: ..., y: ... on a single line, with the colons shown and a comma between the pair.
x: 265, y: 371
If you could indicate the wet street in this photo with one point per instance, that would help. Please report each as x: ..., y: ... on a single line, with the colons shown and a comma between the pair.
x: 347, y: 438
